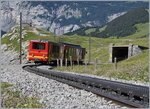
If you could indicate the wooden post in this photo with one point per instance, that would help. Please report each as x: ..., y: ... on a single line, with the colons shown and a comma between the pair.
x: 72, y: 64
x: 95, y: 68
x: 85, y: 64
x: 66, y: 62
x: 78, y: 61
x: 54, y: 34
x: 20, y: 37
x: 89, y: 50
x: 61, y: 62
x: 71, y: 61
x: 57, y: 62
x: 115, y: 63
x: 78, y: 57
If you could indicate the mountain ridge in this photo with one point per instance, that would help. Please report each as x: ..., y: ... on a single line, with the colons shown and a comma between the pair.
x: 64, y: 16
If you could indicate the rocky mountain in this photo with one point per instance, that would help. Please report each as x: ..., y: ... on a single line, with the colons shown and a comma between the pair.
x: 63, y: 16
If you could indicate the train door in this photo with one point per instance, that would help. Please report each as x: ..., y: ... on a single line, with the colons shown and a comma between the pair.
x: 49, y: 51
x: 68, y: 53
x: 78, y: 53
x: 54, y: 51
x: 83, y: 53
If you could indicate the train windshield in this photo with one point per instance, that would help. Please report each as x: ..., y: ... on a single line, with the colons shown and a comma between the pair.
x: 39, y: 46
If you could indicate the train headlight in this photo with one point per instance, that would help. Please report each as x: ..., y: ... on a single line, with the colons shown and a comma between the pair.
x: 44, y: 56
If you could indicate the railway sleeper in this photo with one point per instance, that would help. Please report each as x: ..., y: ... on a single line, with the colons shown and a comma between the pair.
x: 107, y: 88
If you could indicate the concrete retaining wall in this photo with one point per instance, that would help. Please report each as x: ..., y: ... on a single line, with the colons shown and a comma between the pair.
x: 132, y: 50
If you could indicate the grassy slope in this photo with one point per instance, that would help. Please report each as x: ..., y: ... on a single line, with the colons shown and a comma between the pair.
x: 14, y: 99
x: 100, y: 48
x: 135, y: 68
x: 142, y: 30
x: 29, y: 36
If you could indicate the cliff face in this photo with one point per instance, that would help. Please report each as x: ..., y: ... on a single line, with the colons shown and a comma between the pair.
x: 65, y: 16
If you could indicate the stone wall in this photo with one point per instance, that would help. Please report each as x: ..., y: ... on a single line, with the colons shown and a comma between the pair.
x: 136, y: 50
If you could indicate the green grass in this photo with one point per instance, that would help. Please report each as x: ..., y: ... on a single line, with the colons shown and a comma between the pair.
x: 100, y: 51
x: 135, y: 68
x: 44, y: 31
x: 90, y: 30
x: 142, y: 31
x: 14, y: 99
x: 102, y: 29
x: 5, y: 85
x: 100, y: 46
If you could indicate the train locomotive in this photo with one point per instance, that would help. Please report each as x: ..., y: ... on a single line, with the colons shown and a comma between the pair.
x: 41, y: 51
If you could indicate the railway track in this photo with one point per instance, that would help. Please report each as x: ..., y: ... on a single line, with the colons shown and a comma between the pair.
x: 129, y: 94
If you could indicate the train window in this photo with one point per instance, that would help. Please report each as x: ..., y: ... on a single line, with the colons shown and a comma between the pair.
x: 77, y: 52
x: 74, y: 52
x: 39, y: 46
x: 55, y: 49
x: 70, y: 51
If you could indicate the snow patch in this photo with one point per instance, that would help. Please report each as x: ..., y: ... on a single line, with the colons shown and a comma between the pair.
x: 70, y: 28
x: 114, y: 16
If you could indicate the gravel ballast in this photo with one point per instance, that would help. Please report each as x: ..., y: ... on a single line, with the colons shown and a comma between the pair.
x: 50, y: 92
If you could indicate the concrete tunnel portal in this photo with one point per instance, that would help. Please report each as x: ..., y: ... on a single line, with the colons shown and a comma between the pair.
x: 123, y: 52
x: 120, y: 53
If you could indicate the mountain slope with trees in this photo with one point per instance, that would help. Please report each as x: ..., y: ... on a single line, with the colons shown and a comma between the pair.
x: 119, y: 27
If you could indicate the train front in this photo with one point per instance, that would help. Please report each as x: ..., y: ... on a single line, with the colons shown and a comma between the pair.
x: 38, y: 51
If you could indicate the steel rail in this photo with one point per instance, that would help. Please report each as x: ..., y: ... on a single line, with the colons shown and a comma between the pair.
x: 129, y: 94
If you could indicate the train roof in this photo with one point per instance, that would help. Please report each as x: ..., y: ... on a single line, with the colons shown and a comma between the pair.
x: 43, y: 41
x: 71, y: 45
x: 39, y: 40
x: 68, y: 44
